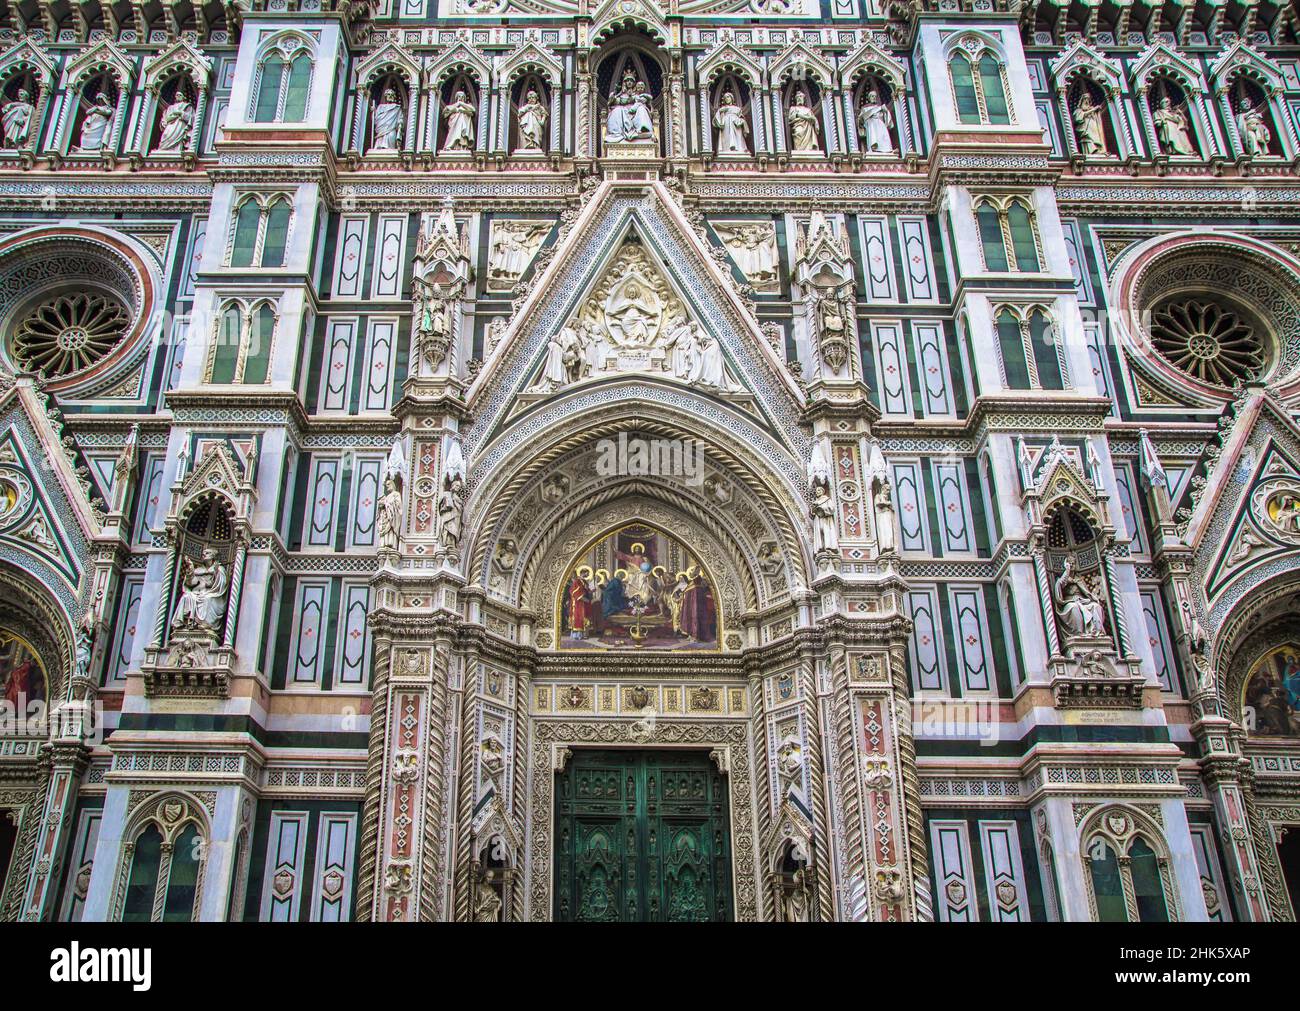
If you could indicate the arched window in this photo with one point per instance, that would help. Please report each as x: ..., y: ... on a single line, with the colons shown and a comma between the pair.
x: 1127, y: 869
x: 247, y: 224
x: 992, y: 89
x: 163, y: 872
x: 283, y: 87
x: 1106, y: 885
x: 1008, y: 234
x: 277, y: 233
x: 979, y: 88
x: 1146, y: 883
x: 142, y: 884
x: 261, y: 231
x: 1030, y: 349
x: 242, y: 344
x: 992, y: 240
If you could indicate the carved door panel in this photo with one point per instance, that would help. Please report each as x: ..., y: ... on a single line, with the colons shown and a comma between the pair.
x: 642, y: 836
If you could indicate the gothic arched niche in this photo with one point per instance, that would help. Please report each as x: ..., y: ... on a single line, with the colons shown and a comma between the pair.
x: 205, y: 553
x: 637, y: 587
x: 629, y: 89
x: 1077, y: 577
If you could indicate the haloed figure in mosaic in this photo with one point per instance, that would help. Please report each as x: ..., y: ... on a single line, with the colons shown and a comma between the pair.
x: 640, y: 588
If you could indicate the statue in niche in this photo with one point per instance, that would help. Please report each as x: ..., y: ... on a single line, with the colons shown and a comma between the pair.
x: 451, y: 498
x: 16, y: 119
x: 204, y: 585
x: 789, y: 764
x: 823, y: 500
x: 804, y: 131
x: 629, y: 117
x: 882, y: 497
x: 753, y: 248
x: 1079, y: 608
x: 433, y: 324
x: 387, y: 120
x: 177, y: 121
x: 1089, y: 125
x: 874, y: 123
x: 94, y: 127
x: 532, y: 124
x: 731, y: 126
x: 460, y: 125
x: 1254, y: 131
x: 487, y: 907
x: 390, y: 516
x: 1172, y: 128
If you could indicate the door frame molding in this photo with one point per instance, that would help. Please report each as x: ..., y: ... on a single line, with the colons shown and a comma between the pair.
x: 552, y: 741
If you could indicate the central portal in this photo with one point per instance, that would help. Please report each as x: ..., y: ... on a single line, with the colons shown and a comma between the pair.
x: 642, y: 836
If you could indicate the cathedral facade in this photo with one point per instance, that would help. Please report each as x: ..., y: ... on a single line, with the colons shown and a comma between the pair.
x: 731, y: 460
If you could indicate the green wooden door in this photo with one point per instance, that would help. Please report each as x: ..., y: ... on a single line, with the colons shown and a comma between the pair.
x: 641, y: 836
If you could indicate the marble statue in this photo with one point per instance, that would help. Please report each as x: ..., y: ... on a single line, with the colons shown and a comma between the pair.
x: 16, y: 119
x: 629, y: 118
x: 732, y: 128
x: 1089, y: 125
x: 460, y: 125
x: 204, y: 585
x: 874, y: 123
x: 1254, y: 131
x: 389, y: 520
x: 387, y: 119
x: 1172, y: 128
x: 823, y: 500
x: 804, y: 130
x: 532, y: 117
x: 94, y: 127
x: 1080, y: 610
x: 177, y: 122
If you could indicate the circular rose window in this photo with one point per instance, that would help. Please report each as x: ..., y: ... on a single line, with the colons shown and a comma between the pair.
x: 1212, y: 341
x: 68, y: 333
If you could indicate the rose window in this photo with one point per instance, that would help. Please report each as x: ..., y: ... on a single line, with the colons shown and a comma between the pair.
x: 1209, y: 341
x: 70, y: 332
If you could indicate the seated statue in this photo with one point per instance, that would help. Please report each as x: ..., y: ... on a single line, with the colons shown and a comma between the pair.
x: 1080, y: 610
x: 204, y: 585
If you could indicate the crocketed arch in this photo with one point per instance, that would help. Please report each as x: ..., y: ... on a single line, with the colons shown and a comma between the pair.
x: 746, y: 455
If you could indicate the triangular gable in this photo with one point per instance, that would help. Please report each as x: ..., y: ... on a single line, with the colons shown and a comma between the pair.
x: 1240, y: 57
x: 1246, y: 526
x: 1161, y: 56
x: 580, y: 264
x: 1082, y: 58
x: 27, y: 55
x: 46, y: 521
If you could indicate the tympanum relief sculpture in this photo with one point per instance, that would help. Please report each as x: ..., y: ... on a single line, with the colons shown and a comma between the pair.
x: 633, y: 322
